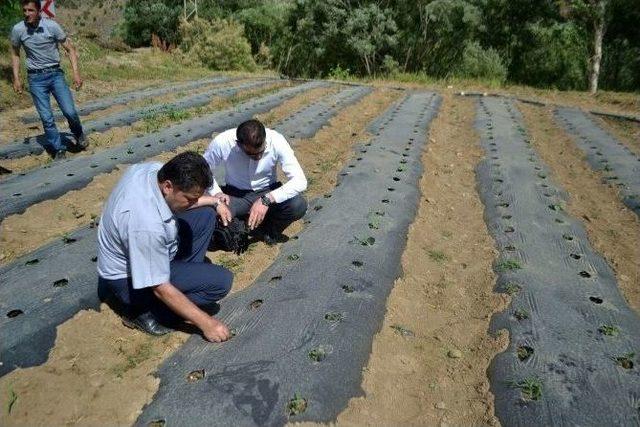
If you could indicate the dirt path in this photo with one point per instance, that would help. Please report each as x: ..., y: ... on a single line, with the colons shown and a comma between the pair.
x: 613, y: 230
x: 101, y: 373
x: 436, y: 373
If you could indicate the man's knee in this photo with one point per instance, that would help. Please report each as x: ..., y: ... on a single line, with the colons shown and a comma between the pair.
x: 226, y: 282
x: 298, y: 207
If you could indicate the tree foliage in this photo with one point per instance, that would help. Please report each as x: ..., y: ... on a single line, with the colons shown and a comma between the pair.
x: 547, y: 43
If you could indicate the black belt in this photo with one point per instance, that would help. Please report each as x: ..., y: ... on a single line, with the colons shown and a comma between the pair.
x: 44, y: 70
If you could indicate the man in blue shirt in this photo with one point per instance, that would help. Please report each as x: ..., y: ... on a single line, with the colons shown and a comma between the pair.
x: 40, y: 38
x: 152, y: 240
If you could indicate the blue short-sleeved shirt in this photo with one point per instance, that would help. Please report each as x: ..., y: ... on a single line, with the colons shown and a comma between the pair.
x: 138, y: 234
x: 40, y: 44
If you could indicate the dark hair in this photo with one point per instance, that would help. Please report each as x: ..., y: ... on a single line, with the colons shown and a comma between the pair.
x: 251, y: 134
x: 36, y: 2
x: 187, y: 171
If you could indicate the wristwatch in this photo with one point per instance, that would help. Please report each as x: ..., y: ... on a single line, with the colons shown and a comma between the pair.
x: 266, y: 200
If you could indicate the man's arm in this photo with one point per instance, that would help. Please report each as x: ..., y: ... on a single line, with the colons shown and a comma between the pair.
x: 15, y: 65
x: 73, y: 57
x: 212, y: 329
x: 218, y: 204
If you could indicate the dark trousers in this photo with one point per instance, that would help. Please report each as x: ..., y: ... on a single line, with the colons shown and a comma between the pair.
x: 279, y: 215
x: 203, y: 283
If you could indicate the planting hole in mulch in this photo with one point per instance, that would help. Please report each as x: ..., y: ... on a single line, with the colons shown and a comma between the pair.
x: 585, y: 274
x: 596, y: 300
x: 293, y: 257
x: 625, y: 361
x: 275, y: 278
x: 60, y: 283
x: 255, y: 304
x: 333, y: 316
x: 195, y: 375
x: 521, y: 314
x: 32, y: 261
x: 296, y: 405
x: 14, y: 313
x: 357, y: 263
x: 524, y: 352
x: 347, y: 289
x: 318, y: 354
x: 157, y: 423
x: 567, y: 237
x: 575, y: 256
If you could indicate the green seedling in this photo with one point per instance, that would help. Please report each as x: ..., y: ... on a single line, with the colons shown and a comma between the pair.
x: 512, y: 288
x: 531, y: 388
x: 521, y: 314
x: 524, y: 352
x: 129, y: 150
x: 293, y: 257
x: 507, y: 265
x: 625, y: 361
x: 609, y: 330
x: 369, y: 241
x: 11, y: 399
x: 400, y: 330
x: 296, y: 405
x: 318, y: 354
x: 557, y: 208
x: 438, y: 256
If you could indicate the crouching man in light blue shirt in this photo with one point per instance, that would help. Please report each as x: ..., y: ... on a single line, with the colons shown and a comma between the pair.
x: 152, y: 240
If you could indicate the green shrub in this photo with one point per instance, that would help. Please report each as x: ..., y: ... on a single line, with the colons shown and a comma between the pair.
x: 556, y: 58
x: 479, y: 63
x: 142, y: 18
x: 218, y: 44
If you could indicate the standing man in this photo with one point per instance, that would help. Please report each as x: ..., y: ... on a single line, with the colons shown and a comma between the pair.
x: 152, y: 240
x: 250, y: 155
x: 40, y: 38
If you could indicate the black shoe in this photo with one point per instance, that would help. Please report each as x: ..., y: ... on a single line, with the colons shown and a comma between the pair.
x: 146, y: 322
x: 82, y: 141
x: 60, y: 155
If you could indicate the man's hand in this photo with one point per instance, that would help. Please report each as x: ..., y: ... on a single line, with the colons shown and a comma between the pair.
x: 216, y: 331
x: 224, y: 213
x: 77, y: 82
x: 224, y: 198
x: 257, y: 214
x: 17, y: 86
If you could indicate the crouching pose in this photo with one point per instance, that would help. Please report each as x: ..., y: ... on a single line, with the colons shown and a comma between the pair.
x: 152, y: 241
x: 250, y: 155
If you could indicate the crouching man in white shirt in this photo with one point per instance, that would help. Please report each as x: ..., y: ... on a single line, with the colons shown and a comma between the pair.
x: 250, y: 155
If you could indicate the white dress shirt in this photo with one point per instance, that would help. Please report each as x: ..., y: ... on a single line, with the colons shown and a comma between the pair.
x: 242, y: 172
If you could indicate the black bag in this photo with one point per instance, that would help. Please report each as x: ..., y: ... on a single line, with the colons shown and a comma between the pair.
x: 232, y: 238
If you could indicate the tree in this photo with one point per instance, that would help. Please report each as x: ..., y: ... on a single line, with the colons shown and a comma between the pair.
x: 144, y: 18
x: 594, y: 16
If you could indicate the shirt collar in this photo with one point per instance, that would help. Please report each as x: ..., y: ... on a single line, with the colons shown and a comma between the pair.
x: 163, y: 208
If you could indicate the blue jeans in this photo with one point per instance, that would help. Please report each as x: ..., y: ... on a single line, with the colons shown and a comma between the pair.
x: 40, y: 86
x: 203, y: 283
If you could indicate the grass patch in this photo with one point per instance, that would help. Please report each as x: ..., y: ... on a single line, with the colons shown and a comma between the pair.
x: 512, y: 288
x: 508, y: 265
x: 296, y: 405
x: 438, y: 256
x: 609, y: 330
x: 369, y: 241
x: 140, y: 354
x: 235, y: 264
x: 530, y: 388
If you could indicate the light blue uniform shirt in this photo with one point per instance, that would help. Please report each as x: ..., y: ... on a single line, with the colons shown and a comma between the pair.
x: 138, y: 234
x: 40, y: 44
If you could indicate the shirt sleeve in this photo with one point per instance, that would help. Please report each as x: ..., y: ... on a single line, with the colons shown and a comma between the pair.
x: 296, y: 180
x: 148, y: 259
x: 57, y: 31
x: 15, y: 38
x: 212, y: 157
